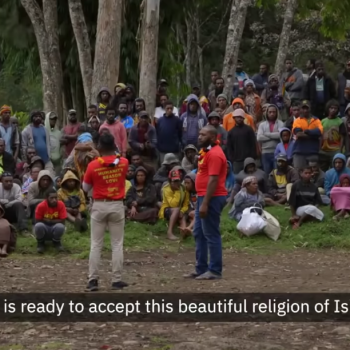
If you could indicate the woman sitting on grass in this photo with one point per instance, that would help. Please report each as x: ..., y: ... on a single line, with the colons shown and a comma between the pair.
x: 304, y: 199
x: 7, y: 235
x: 188, y: 219
x: 175, y: 203
x: 248, y: 196
x: 340, y: 198
x: 141, y: 199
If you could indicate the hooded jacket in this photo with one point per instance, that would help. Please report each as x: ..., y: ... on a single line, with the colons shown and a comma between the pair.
x: 150, y: 136
x: 259, y: 174
x: 229, y: 121
x: 269, y: 140
x: 28, y: 139
x: 332, y: 175
x: 293, y: 83
x: 346, y: 140
x: 314, y: 130
x: 221, y: 132
x: 55, y: 138
x: 63, y: 194
x: 192, y: 123
x: 101, y: 107
x: 35, y: 193
x: 186, y: 164
x: 149, y: 194
x: 280, y: 149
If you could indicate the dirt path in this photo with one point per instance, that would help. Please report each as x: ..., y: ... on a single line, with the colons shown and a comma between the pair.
x: 296, y: 271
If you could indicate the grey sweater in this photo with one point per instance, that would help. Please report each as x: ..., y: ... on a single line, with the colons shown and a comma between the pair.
x: 269, y: 140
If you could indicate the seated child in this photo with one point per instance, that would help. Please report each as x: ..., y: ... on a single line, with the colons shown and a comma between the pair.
x: 175, y: 202
x: 34, y: 172
x: 340, y: 198
x: 73, y: 198
x: 189, y: 182
x: 7, y: 235
x: 304, y: 199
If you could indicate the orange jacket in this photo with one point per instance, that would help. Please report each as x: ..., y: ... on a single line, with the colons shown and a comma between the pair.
x: 303, y: 124
x: 229, y: 121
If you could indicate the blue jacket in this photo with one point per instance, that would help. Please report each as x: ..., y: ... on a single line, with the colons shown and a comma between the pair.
x: 332, y: 175
x: 169, y: 134
x: 280, y: 147
x: 192, y: 123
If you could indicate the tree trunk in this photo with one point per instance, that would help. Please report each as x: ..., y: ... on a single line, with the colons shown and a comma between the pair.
x: 83, y: 42
x: 149, y: 54
x: 234, y: 35
x: 50, y: 89
x: 107, y: 49
x: 291, y: 6
x: 51, y: 25
x: 199, y: 50
x: 188, y: 54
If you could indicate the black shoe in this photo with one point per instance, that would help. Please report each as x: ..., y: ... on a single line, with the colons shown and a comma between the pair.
x: 58, y: 246
x: 92, y: 286
x: 119, y: 285
x: 40, y: 247
x: 83, y: 226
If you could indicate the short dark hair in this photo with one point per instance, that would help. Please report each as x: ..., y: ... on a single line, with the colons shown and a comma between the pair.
x: 265, y: 64
x: 168, y: 103
x: 319, y: 64
x: 301, y: 170
x: 122, y: 102
x: 219, y: 78
x: 110, y: 108
x: 50, y: 191
x: 332, y: 102
x: 296, y: 103
x: 106, y: 142
x: 163, y: 94
x: 215, y: 70
x: 93, y: 106
x: 83, y: 128
x: 288, y: 59
x: 135, y: 153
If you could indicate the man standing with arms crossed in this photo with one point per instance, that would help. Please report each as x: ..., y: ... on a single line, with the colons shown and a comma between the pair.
x: 106, y: 177
x: 211, y: 191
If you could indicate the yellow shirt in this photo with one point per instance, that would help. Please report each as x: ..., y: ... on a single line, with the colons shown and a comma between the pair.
x: 128, y: 185
x: 172, y: 199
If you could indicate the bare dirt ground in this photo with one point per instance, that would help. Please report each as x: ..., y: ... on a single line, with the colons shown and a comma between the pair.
x: 152, y: 272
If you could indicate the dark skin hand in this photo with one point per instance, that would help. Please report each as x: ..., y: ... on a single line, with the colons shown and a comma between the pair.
x: 51, y: 222
x: 211, y: 188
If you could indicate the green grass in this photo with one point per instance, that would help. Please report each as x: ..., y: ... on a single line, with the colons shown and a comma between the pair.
x: 138, y: 237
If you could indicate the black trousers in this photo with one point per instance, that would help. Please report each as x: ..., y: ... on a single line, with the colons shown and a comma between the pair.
x: 15, y: 215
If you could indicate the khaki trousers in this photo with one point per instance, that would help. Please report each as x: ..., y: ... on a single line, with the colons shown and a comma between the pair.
x: 109, y: 215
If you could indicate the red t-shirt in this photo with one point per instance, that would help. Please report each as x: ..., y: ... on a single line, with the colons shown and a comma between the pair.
x: 70, y: 129
x: 44, y: 212
x: 213, y: 164
x: 107, y: 182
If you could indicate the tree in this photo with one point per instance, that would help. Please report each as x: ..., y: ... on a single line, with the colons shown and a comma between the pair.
x: 234, y: 36
x: 291, y: 6
x: 149, y: 53
x: 51, y: 91
x: 107, y: 48
x: 83, y: 43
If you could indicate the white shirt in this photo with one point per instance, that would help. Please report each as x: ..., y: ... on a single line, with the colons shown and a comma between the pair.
x: 160, y: 111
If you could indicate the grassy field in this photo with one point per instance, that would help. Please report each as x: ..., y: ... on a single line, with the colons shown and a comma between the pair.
x: 138, y: 237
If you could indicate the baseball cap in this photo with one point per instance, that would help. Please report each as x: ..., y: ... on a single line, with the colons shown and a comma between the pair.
x: 282, y: 157
x: 72, y: 111
x: 175, y: 175
x: 143, y: 114
x: 53, y: 115
x: 213, y: 115
x: 170, y: 158
x: 305, y: 103
x: 196, y: 85
x: 239, y: 112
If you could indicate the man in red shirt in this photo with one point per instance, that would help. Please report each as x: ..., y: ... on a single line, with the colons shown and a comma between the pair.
x: 50, y: 216
x: 106, y: 176
x: 70, y: 131
x: 211, y: 191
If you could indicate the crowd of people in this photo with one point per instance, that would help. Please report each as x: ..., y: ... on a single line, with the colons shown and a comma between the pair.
x: 276, y: 142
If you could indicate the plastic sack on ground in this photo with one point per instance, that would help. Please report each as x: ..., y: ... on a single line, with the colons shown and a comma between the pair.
x: 251, y: 222
x: 272, y: 228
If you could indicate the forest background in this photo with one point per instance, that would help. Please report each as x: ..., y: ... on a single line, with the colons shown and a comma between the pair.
x: 56, y: 54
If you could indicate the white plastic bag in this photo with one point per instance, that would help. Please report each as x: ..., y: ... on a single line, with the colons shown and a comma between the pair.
x: 273, y: 228
x: 251, y: 223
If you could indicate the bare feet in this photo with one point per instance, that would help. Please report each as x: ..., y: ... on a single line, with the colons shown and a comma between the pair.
x: 346, y: 216
x: 296, y: 225
x: 171, y: 237
x: 3, y: 253
x: 185, y: 232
